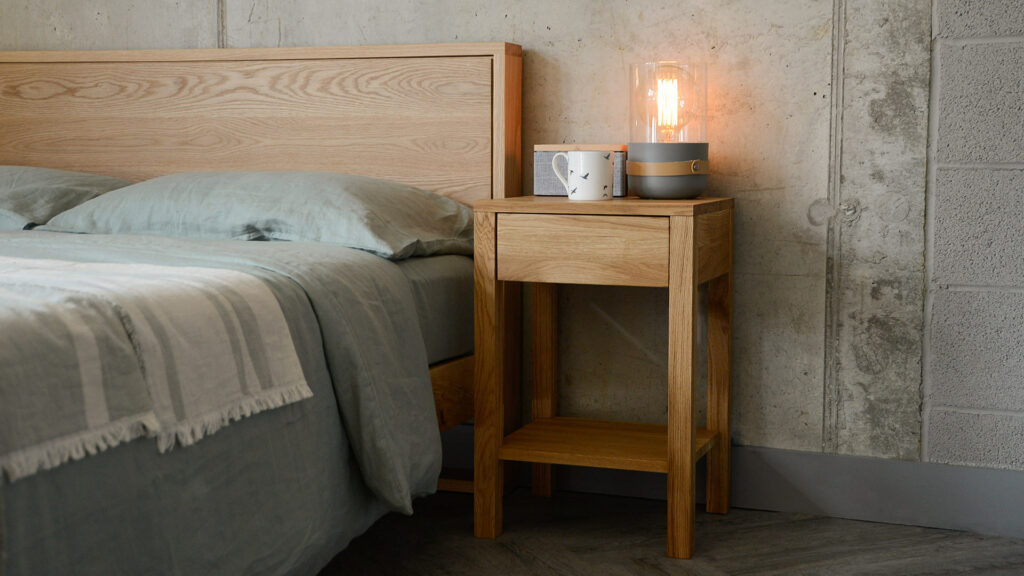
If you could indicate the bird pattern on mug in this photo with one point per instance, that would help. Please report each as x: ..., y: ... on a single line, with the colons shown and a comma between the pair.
x: 580, y: 180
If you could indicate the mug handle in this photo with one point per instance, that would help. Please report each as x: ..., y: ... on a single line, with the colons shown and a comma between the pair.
x: 554, y: 166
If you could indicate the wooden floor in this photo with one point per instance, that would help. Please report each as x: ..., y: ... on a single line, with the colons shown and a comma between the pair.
x: 592, y: 535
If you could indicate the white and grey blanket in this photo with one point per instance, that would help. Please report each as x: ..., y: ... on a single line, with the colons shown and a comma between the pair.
x: 95, y: 354
x: 108, y: 338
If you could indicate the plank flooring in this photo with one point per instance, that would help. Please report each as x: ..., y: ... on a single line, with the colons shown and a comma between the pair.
x: 595, y: 535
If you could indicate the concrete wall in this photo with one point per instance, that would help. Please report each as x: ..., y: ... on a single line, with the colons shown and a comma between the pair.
x: 769, y: 88
x: 974, y: 372
x: 817, y: 128
x: 876, y: 269
x: 107, y: 24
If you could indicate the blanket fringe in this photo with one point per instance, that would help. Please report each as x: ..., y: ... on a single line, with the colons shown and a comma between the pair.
x: 53, y: 453
x: 196, y: 428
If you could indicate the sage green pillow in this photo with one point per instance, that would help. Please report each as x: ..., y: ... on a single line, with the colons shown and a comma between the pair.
x: 386, y: 218
x: 30, y: 195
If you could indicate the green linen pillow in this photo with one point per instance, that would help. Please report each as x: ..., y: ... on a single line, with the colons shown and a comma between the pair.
x: 386, y: 218
x: 30, y: 196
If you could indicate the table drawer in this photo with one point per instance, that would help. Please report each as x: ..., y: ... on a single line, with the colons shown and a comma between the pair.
x: 572, y: 249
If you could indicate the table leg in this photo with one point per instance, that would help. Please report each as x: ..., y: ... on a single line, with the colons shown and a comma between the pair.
x: 682, y: 361
x: 544, y: 328
x: 719, y: 362
x: 488, y: 392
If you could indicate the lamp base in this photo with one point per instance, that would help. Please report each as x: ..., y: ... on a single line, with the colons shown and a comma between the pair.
x: 667, y: 187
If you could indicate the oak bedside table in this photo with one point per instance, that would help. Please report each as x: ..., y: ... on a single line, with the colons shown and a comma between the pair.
x: 678, y: 244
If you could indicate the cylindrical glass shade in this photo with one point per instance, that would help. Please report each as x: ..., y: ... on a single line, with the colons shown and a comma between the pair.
x: 668, y: 150
x: 668, y: 102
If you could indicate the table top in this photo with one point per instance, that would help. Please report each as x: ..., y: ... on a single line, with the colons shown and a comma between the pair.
x: 630, y: 205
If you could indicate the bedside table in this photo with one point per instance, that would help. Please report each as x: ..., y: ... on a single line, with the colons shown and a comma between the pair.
x: 678, y: 244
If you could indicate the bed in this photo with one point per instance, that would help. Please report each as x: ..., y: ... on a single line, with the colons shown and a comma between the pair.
x: 282, y: 490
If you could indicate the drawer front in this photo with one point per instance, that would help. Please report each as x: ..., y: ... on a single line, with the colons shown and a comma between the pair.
x: 569, y: 249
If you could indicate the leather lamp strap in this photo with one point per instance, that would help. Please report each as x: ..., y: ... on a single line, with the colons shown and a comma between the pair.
x: 684, y: 168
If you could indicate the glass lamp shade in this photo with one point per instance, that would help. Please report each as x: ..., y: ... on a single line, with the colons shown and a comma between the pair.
x: 668, y: 123
x: 668, y: 102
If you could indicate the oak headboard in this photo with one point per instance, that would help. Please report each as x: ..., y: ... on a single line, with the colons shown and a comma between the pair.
x: 444, y: 117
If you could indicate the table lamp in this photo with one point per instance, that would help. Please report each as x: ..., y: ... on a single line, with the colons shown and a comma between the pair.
x: 668, y: 148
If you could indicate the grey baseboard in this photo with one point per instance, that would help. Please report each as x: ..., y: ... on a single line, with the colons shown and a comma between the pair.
x: 980, y: 500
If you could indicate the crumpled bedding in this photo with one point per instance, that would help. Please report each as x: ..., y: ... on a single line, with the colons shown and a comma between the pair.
x: 366, y: 316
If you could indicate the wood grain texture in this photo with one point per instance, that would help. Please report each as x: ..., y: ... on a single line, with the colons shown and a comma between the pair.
x: 274, y: 89
x: 629, y: 206
x: 714, y: 244
x: 508, y: 137
x: 424, y: 122
x: 682, y: 372
x: 453, y: 391
x: 489, y: 411
x: 544, y: 334
x: 719, y: 392
x: 596, y: 443
x: 489, y: 49
x: 574, y: 249
x: 715, y: 257
x: 419, y: 114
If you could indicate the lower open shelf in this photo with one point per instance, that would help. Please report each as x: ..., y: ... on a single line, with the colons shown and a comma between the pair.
x: 596, y: 443
x: 455, y: 480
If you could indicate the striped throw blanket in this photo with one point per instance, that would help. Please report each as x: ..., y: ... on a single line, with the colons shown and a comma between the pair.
x: 96, y: 354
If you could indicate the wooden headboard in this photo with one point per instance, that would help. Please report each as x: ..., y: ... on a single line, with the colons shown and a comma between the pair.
x: 444, y: 117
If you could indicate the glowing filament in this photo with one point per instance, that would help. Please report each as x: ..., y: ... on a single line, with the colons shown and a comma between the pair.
x: 668, y: 103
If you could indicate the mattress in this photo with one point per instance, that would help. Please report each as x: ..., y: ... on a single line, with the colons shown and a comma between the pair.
x: 442, y: 288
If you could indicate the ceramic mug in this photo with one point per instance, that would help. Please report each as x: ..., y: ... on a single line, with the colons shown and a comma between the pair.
x: 590, y: 174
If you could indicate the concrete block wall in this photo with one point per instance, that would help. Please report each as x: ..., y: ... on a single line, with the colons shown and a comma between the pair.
x: 974, y: 346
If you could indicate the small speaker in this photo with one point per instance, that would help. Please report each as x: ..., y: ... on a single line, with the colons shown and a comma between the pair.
x: 546, y: 184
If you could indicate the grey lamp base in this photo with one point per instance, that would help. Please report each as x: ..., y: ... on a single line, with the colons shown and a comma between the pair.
x: 667, y: 187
